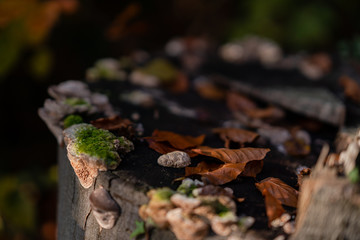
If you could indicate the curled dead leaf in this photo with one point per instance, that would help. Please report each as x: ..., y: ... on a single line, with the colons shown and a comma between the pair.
x: 123, y: 125
x: 178, y: 141
x: 238, y: 135
x: 279, y: 190
x: 273, y: 206
x: 242, y: 155
x: 219, y: 174
x: 237, y: 102
x: 165, y: 147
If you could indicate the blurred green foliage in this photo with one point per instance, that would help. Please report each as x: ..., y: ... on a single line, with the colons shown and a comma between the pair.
x: 297, y: 25
x: 19, y: 199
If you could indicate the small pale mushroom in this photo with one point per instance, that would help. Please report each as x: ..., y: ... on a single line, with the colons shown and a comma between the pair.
x: 71, y: 97
x: 186, y: 227
x: 176, y: 159
x: 106, y: 211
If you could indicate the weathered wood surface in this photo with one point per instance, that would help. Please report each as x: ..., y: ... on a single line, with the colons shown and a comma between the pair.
x: 139, y: 171
x: 75, y: 218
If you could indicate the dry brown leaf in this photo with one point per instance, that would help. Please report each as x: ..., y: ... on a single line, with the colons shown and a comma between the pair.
x: 178, y: 141
x: 279, y: 190
x: 164, y: 148
x: 238, y: 135
x: 209, y: 90
x: 351, y: 88
x: 219, y: 174
x: 252, y: 168
x: 238, y: 102
x: 242, y: 155
x: 112, y: 123
x: 123, y: 125
x: 273, y: 207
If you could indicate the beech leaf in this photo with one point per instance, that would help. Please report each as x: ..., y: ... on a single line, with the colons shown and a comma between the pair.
x: 178, y: 141
x: 238, y: 135
x: 112, y: 123
x: 238, y: 102
x: 273, y: 206
x: 164, y: 147
x: 279, y: 190
x: 242, y: 155
x: 219, y: 174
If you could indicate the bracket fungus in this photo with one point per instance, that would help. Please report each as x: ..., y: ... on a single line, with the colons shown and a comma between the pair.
x: 71, y: 97
x: 106, y: 211
x: 158, y: 206
x: 187, y: 227
x: 175, y: 159
x: 192, y: 209
x: 91, y: 149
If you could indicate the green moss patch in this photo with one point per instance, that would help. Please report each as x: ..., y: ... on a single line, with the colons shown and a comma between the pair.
x: 163, y: 194
x: 98, y: 143
x: 75, y: 101
x: 72, y: 120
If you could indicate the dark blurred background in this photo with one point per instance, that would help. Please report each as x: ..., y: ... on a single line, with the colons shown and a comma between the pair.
x: 46, y: 42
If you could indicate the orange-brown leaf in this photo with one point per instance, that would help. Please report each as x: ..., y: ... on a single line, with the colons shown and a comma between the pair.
x: 279, y: 190
x: 178, y: 141
x: 273, y: 206
x: 112, y: 123
x: 219, y: 174
x: 164, y: 147
x: 238, y: 135
x: 242, y: 155
x: 252, y: 168
x: 238, y: 102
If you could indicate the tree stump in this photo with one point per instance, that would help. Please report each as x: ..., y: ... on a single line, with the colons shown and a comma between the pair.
x: 329, y: 205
